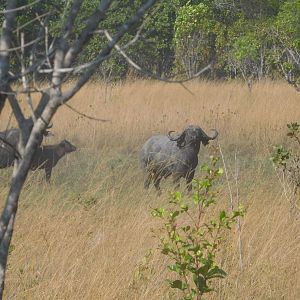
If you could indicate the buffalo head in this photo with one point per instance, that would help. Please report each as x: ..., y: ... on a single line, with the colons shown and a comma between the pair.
x: 192, y: 135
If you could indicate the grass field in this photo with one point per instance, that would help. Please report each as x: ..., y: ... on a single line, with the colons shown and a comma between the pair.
x: 86, y: 234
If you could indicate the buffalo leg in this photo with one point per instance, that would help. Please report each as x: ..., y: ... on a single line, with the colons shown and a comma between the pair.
x: 189, y: 179
x: 48, y: 171
x: 176, y: 179
x: 157, y: 180
x: 148, y: 181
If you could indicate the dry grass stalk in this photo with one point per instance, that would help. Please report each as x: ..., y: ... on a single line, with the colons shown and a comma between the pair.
x: 83, y: 236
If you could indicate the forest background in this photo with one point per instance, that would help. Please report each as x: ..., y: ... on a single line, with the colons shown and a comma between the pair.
x: 248, y: 39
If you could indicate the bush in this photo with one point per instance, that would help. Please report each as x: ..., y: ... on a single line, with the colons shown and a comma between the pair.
x: 191, y: 242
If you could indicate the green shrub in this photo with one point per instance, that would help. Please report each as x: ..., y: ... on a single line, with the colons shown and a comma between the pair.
x: 287, y: 164
x: 190, y: 238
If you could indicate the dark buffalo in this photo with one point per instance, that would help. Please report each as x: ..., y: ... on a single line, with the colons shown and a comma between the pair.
x: 46, y: 157
x: 9, y: 144
x: 165, y: 155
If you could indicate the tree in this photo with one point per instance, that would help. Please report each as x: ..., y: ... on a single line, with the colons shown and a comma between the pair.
x: 252, y: 40
x: 24, y: 62
x: 194, y: 38
x: 286, y: 42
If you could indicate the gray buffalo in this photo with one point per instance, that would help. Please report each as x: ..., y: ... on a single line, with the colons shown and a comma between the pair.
x: 165, y: 155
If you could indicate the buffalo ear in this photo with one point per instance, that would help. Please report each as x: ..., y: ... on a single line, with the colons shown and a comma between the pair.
x: 205, y: 142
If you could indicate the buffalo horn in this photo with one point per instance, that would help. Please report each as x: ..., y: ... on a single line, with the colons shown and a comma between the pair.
x: 175, y: 138
x: 215, y: 134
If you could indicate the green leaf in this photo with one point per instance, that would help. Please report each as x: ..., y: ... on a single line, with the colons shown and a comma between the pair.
x: 177, y: 284
x: 177, y: 196
x: 196, y: 198
x: 237, y: 213
x: 222, y: 215
x: 206, y: 183
x: 205, y: 168
x: 178, y: 268
x: 184, y: 207
x: 216, y: 272
x: 174, y: 214
x: 207, y: 263
x: 186, y: 228
x: 220, y: 171
x: 158, y: 212
x: 201, y: 284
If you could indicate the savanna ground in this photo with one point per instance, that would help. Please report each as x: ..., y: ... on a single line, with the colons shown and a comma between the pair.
x: 86, y: 234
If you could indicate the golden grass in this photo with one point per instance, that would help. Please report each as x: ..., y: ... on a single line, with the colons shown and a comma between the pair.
x: 85, y: 235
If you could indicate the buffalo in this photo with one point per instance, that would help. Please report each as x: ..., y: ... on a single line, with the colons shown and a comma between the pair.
x: 165, y: 155
x: 46, y: 157
x: 9, y: 145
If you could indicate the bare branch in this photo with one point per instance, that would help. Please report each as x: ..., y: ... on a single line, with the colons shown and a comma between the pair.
x: 25, y: 45
x: 25, y: 81
x: 91, y: 25
x: 10, y: 10
x: 42, y: 34
x: 28, y: 90
x: 84, y: 115
x: 9, y: 120
x: 105, y: 52
x: 5, y: 42
x: 132, y: 41
x: 295, y: 57
x: 140, y: 69
x: 72, y: 16
x: 16, y: 108
x: 62, y: 70
x: 33, y: 67
x: 47, y: 45
x: 4, y: 247
x: 37, y: 18
x: 6, y: 39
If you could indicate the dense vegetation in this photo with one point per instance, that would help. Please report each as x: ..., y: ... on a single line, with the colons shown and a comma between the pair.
x: 249, y: 39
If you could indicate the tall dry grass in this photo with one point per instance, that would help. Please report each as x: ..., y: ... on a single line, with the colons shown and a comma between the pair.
x: 85, y: 235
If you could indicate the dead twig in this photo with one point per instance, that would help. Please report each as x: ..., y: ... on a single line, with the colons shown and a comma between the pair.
x: 85, y: 115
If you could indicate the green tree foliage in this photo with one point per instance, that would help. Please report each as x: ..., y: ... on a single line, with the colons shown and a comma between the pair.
x: 249, y: 39
x: 194, y: 37
x: 153, y: 52
x: 286, y: 41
